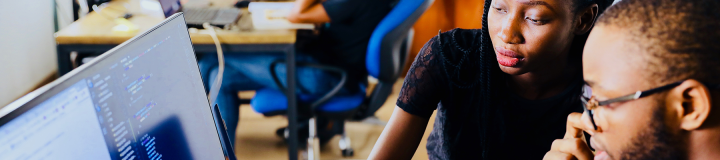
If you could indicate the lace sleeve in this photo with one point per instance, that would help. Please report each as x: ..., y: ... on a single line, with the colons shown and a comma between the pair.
x: 421, y: 91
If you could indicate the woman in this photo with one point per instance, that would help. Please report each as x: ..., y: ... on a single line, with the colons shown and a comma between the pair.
x: 502, y: 92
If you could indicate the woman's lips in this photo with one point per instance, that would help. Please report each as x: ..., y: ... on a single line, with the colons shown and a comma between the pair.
x: 507, y: 57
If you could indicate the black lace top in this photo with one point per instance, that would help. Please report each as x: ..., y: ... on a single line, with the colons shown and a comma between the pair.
x: 448, y: 75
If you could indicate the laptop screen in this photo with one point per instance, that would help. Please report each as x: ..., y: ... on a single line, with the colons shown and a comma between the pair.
x: 170, y: 7
x: 142, y: 100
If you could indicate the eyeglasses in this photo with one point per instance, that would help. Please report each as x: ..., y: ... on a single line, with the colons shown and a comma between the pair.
x: 590, y: 104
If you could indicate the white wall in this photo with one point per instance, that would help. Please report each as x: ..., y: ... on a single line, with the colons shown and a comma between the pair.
x: 27, y: 46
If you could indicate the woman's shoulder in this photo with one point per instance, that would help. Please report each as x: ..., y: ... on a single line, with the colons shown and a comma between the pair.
x: 453, y: 43
x: 455, y: 47
x: 457, y: 35
x: 451, y: 55
x: 440, y: 54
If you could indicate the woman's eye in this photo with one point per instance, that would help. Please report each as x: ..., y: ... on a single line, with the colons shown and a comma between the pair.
x: 499, y: 9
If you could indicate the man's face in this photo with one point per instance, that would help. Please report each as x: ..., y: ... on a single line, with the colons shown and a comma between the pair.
x: 614, y: 67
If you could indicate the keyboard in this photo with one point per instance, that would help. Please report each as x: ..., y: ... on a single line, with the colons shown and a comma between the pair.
x: 217, y: 17
x: 200, y: 15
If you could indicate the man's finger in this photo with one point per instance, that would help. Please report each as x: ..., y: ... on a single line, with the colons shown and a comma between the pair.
x: 574, y: 126
x: 557, y: 155
x: 576, y: 146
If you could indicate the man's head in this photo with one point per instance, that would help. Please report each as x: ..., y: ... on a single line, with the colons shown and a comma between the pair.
x: 643, y: 44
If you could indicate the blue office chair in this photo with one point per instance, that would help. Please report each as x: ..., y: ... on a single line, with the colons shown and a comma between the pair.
x: 386, y: 55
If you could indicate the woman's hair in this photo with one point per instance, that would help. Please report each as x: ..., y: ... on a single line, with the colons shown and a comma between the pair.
x: 488, y: 68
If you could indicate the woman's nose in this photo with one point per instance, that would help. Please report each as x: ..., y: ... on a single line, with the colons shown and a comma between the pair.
x: 510, y: 32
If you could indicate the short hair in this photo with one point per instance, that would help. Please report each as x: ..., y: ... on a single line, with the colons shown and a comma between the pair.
x: 681, y: 37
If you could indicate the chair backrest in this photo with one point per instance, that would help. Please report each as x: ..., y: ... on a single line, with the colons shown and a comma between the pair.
x: 384, y: 58
x: 387, y: 51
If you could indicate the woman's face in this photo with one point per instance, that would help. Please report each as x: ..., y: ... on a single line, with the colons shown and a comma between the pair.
x: 530, y: 34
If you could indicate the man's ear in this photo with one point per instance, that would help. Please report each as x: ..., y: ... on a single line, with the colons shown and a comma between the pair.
x: 585, y: 19
x: 692, y: 101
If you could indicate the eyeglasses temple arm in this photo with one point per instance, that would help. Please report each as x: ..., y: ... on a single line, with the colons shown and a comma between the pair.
x: 640, y: 94
x: 621, y: 99
x: 659, y: 89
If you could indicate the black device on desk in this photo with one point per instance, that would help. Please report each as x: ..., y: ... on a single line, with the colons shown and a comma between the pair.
x: 195, y: 17
x: 242, y: 4
x: 142, y: 100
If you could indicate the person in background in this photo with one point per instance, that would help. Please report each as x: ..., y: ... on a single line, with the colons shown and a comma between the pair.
x: 653, y: 67
x: 342, y: 42
x: 501, y: 92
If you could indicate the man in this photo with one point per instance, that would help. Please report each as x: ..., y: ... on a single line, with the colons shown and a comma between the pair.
x: 342, y: 42
x: 668, y: 50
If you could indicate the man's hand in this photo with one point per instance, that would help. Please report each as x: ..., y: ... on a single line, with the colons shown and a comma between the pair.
x: 573, y: 145
x: 308, y: 11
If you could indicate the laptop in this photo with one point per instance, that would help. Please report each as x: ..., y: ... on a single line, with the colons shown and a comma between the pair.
x: 195, y: 17
x: 142, y: 100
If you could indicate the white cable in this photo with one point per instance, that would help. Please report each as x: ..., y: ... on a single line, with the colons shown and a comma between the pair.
x: 215, y: 87
x: 84, y: 10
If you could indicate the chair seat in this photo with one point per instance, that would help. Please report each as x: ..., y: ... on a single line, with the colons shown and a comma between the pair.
x: 270, y: 101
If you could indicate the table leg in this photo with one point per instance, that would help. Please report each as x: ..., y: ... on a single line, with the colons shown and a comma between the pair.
x: 63, y: 60
x: 292, y: 103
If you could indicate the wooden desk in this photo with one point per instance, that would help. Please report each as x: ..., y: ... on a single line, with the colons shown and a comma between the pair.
x: 93, y: 35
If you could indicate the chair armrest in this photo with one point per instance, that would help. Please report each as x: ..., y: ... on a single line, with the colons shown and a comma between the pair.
x: 324, y: 98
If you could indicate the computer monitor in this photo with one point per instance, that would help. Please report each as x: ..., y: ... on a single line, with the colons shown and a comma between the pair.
x: 142, y: 100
